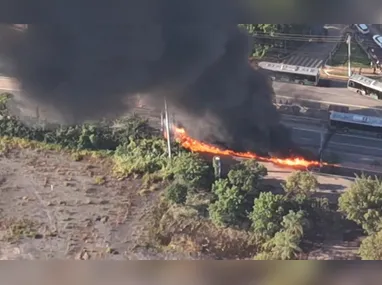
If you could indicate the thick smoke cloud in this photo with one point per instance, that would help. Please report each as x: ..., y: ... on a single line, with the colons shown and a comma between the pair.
x: 81, y: 70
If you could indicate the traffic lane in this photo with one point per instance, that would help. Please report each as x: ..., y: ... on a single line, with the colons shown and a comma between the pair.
x: 366, y: 141
x: 306, y: 137
x: 338, y: 143
x: 369, y: 42
x: 340, y: 96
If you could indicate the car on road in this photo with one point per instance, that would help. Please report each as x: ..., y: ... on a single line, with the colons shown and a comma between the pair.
x: 362, y: 28
x: 378, y: 40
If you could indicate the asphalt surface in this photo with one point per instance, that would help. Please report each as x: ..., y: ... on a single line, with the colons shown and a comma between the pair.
x: 314, y: 54
x: 322, y: 95
x: 367, y: 41
x: 353, y: 150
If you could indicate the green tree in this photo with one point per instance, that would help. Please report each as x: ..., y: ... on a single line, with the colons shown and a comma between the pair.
x: 283, y: 246
x: 362, y: 203
x: 177, y: 193
x: 294, y: 223
x: 371, y: 247
x: 267, y: 214
x: 233, y: 194
x: 300, y: 185
x: 246, y: 175
x: 228, y: 207
x: 191, y: 169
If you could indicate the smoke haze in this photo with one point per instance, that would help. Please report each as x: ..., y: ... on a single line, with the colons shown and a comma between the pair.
x: 80, y: 71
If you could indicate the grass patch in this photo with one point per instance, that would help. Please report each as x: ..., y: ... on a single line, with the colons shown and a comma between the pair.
x: 9, y: 143
x: 358, y: 57
x: 16, y: 230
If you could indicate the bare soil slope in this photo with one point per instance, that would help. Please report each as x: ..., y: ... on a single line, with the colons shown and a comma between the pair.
x: 55, y: 207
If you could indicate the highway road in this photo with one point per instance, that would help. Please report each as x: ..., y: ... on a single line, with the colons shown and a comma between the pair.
x: 340, y: 96
x: 323, y: 95
x: 353, y: 150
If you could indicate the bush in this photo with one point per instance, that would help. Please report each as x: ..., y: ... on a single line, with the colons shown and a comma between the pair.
x: 267, y: 214
x: 87, y: 136
x: 176, y: 193
x: 228, y: 208
x: 247, y: 175
x: 362, y: 203
x: 371, y: 247
x: 140, y: 157
x: 300, y: 185
x: 284, y: 245
x: 190, y: 169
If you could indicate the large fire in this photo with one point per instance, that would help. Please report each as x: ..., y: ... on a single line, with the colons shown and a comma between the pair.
x: 198, y: 146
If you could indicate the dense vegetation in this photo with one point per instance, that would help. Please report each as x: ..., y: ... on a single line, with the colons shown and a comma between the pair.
x: 280, y: 223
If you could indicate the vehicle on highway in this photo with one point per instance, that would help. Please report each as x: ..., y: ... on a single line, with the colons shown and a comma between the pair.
x: 362, y: 28
x: 365, y: 86
x: 378, y: 40
x: 291, y: 73
x: 345, y: 122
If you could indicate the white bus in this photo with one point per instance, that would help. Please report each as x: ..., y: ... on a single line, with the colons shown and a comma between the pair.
x: 291, y: 73
x: 365, y: 86
x: 345, y: 122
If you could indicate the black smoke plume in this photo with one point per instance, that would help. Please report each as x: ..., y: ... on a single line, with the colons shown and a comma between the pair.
x: 84, y: 71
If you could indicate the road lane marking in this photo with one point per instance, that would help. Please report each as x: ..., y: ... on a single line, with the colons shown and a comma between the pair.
x: 338, y: 134
x: 355, y: 145
x: 330, y: 103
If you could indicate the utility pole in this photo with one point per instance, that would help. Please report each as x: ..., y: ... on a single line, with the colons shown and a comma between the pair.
x: 167, y: 124
x: 348, y: 41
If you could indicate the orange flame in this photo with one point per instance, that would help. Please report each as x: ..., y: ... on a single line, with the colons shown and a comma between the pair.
x: 198, y: 146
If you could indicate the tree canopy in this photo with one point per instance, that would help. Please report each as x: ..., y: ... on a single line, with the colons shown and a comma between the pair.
x: 233, y: 193
x: 267, y: 214
x: 300, y: 184
x: 371, y: 247
x: 362, y: 203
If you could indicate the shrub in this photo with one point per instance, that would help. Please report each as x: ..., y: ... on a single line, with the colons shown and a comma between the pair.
x: 100, y: 136
x: 362, y: 203
x: 177, y: 192
x: 371, y: 247
x: 190, y: 169
x: 267, y: 214
x: 246, y: 175
x: 229, y: 206
x: 300, y: 185
x: 140, y: 157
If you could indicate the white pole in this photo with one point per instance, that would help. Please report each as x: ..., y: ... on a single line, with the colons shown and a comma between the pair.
x: 349, y: 53
x: 167, y: 128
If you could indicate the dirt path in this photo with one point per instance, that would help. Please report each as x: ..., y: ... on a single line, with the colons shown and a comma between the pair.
x: 54, y: 207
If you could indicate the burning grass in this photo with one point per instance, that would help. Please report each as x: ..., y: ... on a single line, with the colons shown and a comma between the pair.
x: 202, y: 147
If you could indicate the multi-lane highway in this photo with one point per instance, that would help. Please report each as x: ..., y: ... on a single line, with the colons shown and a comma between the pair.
x: 352, y: 150
x: 335, y: 96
